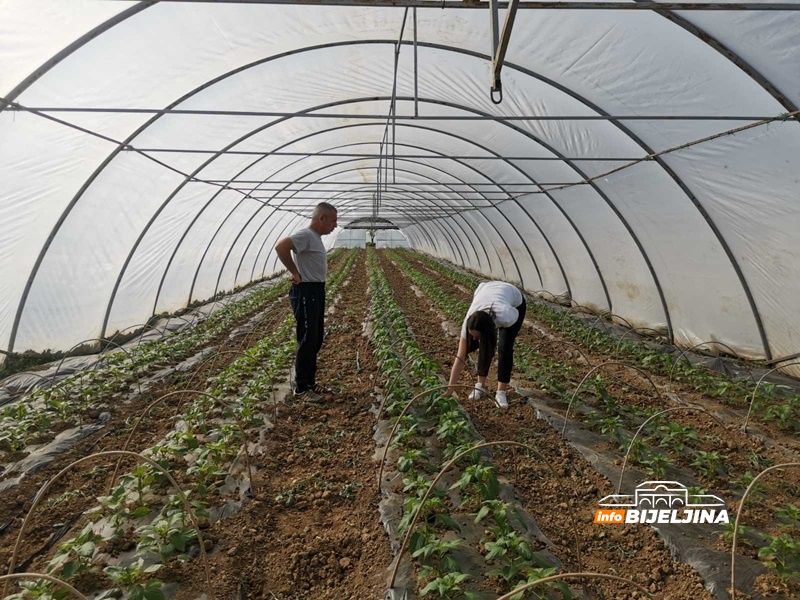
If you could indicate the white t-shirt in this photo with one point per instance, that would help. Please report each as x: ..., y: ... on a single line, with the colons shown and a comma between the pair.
x: 497, y: 298
x: 310, y: 255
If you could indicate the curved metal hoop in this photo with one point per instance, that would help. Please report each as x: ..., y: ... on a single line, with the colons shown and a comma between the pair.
x: 553, y: 297
x: 402, y: 414
x: 175, y: 393
x: 559, y: 576
x: 554, y: 341
x: 210, y: 359
x: 272, y: 321
x: 738, y: 516
x: 63, y: 584
x: 755, y: 391
x: 145, y: 327
x: 100, y: 355
x: 600, y: 366
x: 685, y: 351
x: 397, y: 377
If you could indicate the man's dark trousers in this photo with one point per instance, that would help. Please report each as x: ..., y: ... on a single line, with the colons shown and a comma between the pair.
x: 308, y: 306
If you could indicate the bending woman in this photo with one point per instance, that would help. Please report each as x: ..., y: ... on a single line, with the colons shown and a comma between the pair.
x: 494, y: 319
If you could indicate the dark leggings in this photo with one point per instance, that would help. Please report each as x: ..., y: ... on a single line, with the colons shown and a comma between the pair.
x: 505, y: 349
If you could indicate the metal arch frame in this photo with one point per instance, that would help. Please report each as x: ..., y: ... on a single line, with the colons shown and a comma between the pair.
x: 411, y: 211
x: 669, y: 171
x: 502, y: 187
x: 597, y: 190
x: 737, y: 60
x: 264, y: 243
x: 134, y: 10
x: 277, y: 207
x: 74, y: 47
x: 433, y: 243
x: 452, y: 239
x: 405, y: 160
x: 350, y: 170
x: 519, y: 272
x: 278, y: 191
x: 483, y: 247
x: 202, y: 210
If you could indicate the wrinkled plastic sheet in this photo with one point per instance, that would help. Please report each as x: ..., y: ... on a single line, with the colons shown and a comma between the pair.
x: 691, y: 545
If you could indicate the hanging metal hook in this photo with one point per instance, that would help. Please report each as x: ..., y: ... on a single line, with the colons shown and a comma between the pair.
x: 498, y: 88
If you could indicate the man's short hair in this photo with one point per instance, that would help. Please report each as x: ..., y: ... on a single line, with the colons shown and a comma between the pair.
x: 323, y: 208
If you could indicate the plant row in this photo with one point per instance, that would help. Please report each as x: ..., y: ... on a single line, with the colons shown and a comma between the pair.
x: 435, y: 431
x: 202, y: 451
x: 44, y: 412
x: 606, y: 407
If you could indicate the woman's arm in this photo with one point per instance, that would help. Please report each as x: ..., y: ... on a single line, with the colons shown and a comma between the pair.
x: 458, y: 366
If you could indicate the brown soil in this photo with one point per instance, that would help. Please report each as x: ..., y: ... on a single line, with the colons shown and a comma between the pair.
x: 547, y: 499
x: 313, y: 530
x: 738, y: 448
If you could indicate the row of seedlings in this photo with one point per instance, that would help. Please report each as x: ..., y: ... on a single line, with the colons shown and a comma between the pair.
x: 665, y: 442
x: 38, y: 416
x: 146, y: 528
x: 466, y: 508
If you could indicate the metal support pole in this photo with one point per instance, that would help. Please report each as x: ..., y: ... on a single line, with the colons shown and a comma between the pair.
x: 500, y: 47
x: 494, y: 24
x: 416, y: 70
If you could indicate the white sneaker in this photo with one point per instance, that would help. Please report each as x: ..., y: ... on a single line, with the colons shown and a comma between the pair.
x: 500, y: 400
x: 478, y: 393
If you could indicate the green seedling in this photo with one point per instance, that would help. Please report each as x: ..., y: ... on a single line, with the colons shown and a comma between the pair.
x: 707, y: 463
x: 657, y: 465
x: 482, y: 478
x: 74, y: 557
x: 126, y: 580
x: 782, y: 554
x: 166, y: 537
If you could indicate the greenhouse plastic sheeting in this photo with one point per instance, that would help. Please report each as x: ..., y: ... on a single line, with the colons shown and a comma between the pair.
x: 108, y: 217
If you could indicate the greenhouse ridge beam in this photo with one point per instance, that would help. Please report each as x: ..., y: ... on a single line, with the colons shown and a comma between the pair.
x: 531, y: 5
x: 382, y: 157
x: 440, y: 183
x: 14, y: 107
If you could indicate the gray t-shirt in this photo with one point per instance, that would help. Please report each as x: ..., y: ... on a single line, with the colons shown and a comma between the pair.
x: 310, y: 255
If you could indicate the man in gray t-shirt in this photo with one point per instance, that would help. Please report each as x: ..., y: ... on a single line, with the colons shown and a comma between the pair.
x: 308, y: 270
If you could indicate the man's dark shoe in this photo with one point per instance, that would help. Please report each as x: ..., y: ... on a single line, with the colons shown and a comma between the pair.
x: 308, y: 395
x: 322, y: 391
